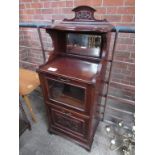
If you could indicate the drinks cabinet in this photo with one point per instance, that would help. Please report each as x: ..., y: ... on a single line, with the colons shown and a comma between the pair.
x: 72, y: 78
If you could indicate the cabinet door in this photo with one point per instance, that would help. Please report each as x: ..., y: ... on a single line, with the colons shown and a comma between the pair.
x: 69, y: 122
x: 67, y: 93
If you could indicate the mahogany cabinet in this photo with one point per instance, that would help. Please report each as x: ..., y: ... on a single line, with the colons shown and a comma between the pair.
x: 71, y: 78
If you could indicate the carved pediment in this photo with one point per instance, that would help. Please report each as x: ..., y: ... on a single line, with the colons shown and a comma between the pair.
x: 83, y: 13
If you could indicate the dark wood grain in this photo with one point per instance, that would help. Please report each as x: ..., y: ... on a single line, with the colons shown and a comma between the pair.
x: 81, y: 71
x: 73, y: 68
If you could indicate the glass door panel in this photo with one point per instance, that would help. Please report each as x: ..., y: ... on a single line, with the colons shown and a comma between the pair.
x: 66, y: 93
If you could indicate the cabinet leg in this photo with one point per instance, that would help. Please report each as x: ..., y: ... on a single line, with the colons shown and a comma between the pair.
x: 29, y: 107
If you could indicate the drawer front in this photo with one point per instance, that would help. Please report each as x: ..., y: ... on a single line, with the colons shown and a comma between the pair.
x: 69, y: 121
x: 66, y: 80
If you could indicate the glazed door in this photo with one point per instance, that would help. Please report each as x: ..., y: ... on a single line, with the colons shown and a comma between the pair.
x: 66, y: 93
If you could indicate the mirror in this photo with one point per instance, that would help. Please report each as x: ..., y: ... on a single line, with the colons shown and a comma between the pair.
x: 84, y: 44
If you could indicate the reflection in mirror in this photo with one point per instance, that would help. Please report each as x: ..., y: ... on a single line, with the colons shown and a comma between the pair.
x: 84, y: 44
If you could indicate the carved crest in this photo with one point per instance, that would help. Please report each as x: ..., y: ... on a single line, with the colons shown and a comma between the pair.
x: 83, y: 13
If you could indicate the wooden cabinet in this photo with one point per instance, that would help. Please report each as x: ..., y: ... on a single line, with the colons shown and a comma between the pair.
x: 72, y: 77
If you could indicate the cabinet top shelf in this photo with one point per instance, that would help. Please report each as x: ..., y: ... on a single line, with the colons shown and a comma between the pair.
x: 73, y: 68
x: 84, y: 27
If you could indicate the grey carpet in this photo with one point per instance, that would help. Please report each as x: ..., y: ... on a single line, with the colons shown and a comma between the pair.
x: 39, y: 142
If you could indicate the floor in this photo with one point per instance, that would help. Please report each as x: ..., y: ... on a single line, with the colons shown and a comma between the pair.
x: 39, y: 142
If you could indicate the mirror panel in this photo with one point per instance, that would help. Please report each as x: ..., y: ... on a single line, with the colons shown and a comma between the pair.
x: 84, y: 44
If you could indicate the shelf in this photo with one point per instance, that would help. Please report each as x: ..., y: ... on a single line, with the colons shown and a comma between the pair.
x: 66, y: 93
x: 101, y: 27
x: 70, y: 100
x: 73, y: 68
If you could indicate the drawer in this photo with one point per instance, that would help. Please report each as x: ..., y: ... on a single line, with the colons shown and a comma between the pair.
x: 69, y: 121
x: 66, y: 80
